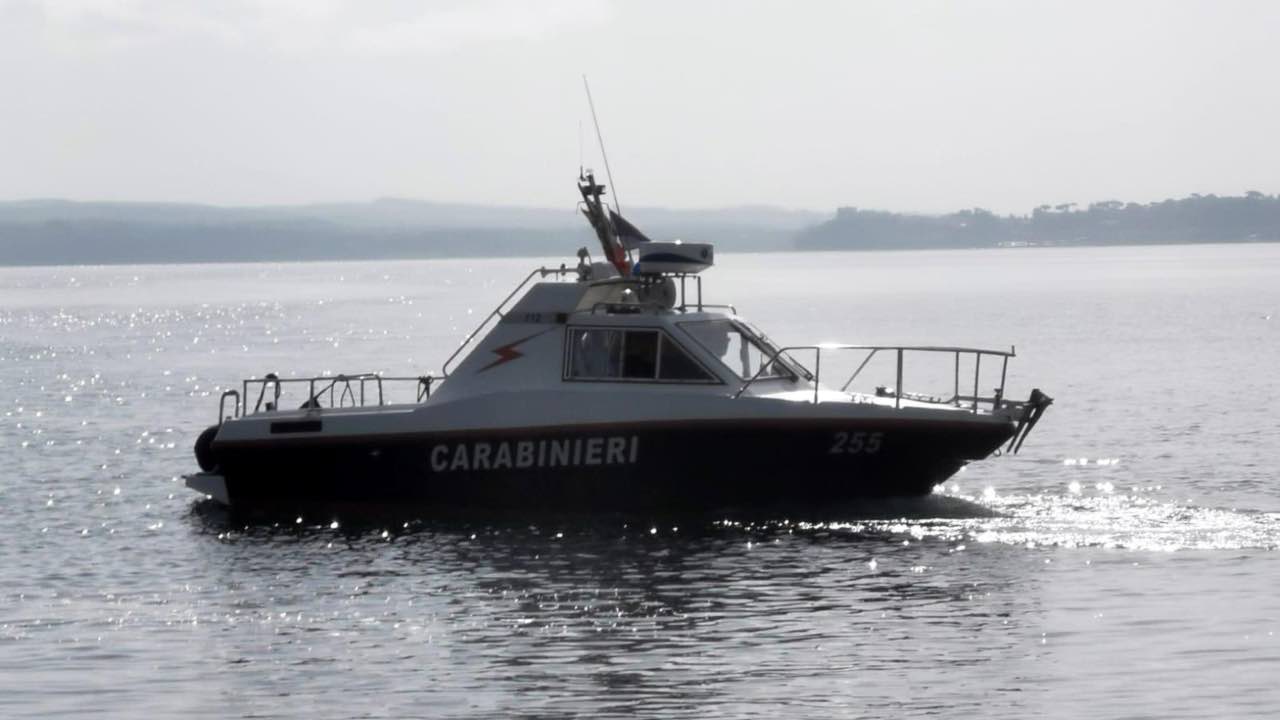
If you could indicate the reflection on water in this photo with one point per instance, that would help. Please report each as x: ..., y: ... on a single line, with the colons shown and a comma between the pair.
x: 608, y: 616
x: 1105, y: 519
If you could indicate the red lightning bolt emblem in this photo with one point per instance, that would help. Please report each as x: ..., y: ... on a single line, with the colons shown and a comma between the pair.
x: 507, y: 353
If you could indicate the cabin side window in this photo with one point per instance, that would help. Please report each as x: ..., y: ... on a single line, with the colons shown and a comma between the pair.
x: 595, y: 354
x: 640, y: 354
x: 675, y: 364
x: 621, y: 355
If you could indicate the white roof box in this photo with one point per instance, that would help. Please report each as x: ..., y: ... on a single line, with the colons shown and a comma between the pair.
x: 675, y: 257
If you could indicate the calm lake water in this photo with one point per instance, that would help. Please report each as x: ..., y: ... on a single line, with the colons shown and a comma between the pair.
x: 1124, y: 565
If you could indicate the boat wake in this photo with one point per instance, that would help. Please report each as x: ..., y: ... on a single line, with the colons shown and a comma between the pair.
x: 1106, y: 520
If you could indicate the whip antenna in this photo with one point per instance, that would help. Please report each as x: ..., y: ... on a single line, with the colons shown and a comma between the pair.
x: 600, y: 138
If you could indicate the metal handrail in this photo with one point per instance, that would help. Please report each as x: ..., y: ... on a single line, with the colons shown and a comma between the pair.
x: 625, y: 308
x: 684, y: 296
x: 340, y: 389
x: 703, y: 306
x: 900, y: 350
x: 497, y: 311
x: 619, y: 308
x: 268, y: 379
x: 222, y: 402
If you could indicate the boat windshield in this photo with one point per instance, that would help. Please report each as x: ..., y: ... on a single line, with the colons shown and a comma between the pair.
x: 787, y: 358
x: 742, y: 351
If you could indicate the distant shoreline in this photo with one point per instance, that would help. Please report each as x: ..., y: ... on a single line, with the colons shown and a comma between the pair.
x: 62, y: 233
x: 568, y: 261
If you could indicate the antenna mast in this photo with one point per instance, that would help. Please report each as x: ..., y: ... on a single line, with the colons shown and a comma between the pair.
x: 600, y: 138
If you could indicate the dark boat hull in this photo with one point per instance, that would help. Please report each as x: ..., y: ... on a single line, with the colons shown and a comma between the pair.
x: 646, y: 467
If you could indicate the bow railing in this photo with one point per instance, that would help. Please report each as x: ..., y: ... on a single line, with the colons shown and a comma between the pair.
x: 973, y: 400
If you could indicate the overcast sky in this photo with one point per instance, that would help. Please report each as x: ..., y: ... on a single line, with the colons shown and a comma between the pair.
x: 917, y: 106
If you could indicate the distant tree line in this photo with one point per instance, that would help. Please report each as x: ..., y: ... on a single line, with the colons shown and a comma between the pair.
x: 112, y: 242
x: 1252, y: 217
x: 95, y: 242
x: 68, y: 233
x: 62, y: 232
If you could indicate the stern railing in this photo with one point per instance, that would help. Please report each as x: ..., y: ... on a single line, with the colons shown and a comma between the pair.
x: 326, y: 391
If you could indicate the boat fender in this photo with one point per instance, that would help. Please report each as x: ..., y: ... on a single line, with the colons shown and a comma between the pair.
x: 204, y: 449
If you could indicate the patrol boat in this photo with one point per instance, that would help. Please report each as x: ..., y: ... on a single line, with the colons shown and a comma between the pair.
x: 609, y: 386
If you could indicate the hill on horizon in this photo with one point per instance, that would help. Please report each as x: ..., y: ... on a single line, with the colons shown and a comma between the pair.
x: 55, y: 231
x: 1252, y: 217
x: 58, y: 232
